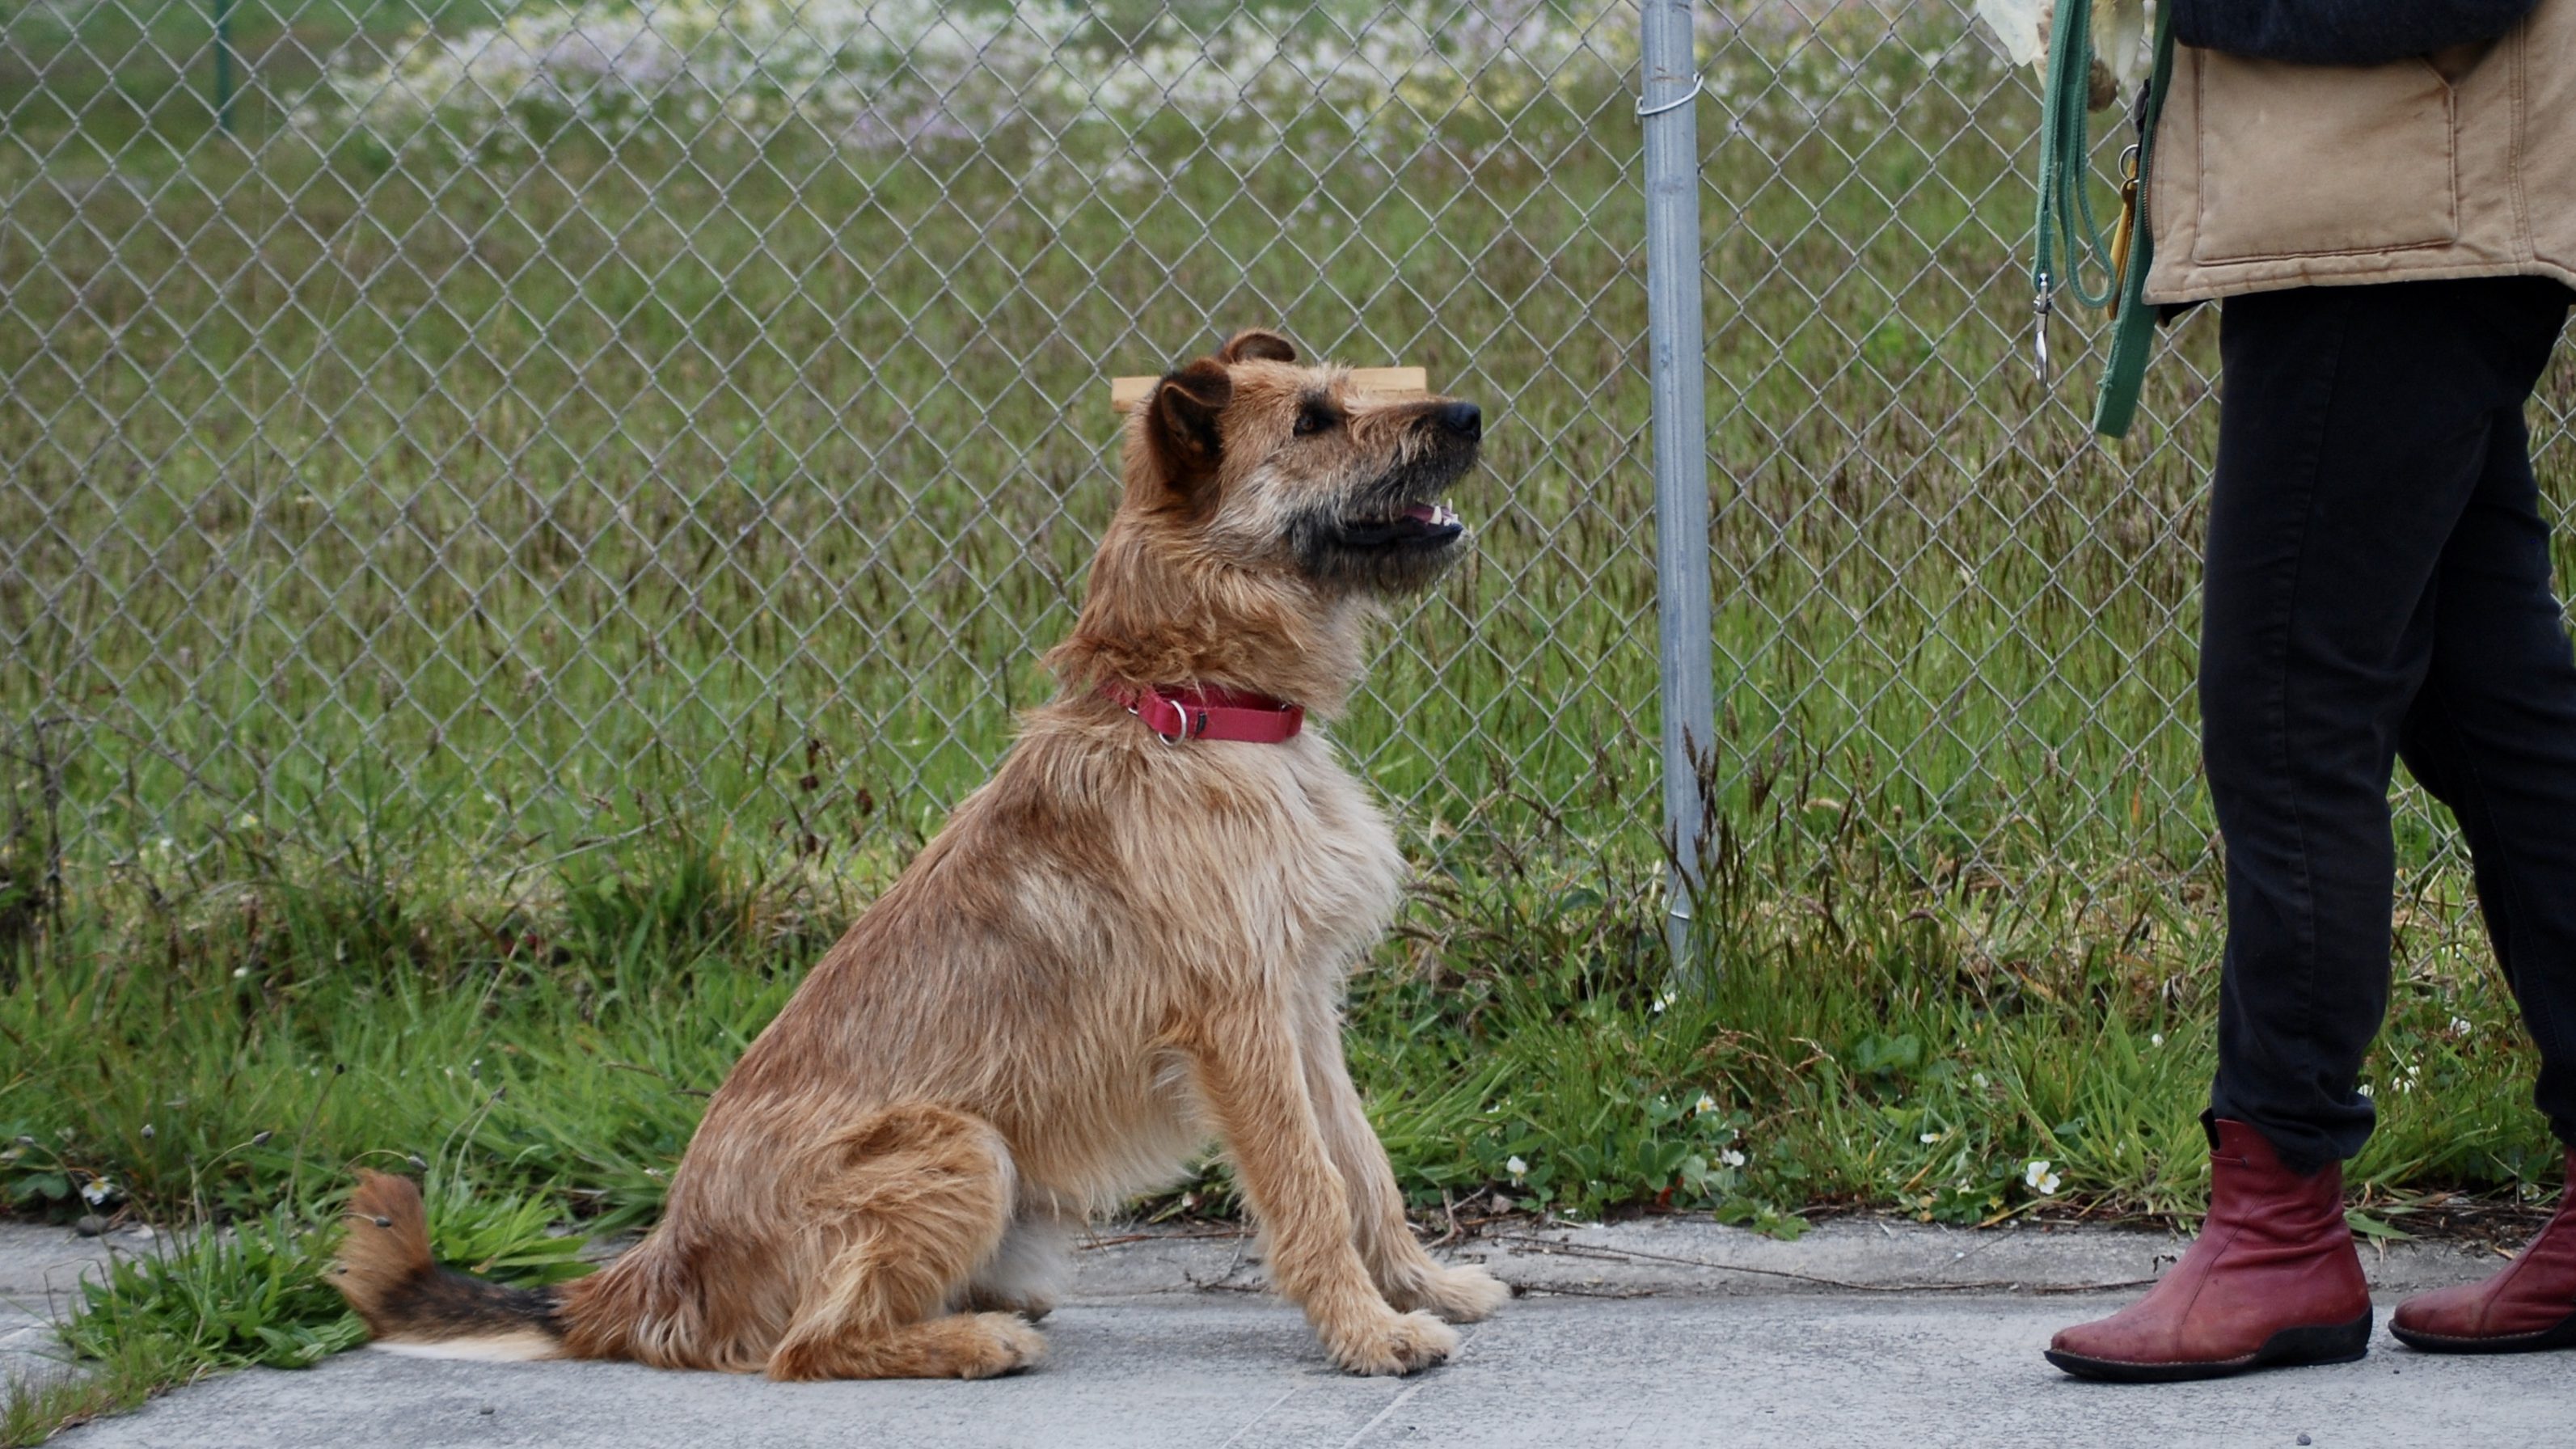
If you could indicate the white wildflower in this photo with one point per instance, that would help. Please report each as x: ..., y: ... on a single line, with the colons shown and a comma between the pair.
x: 97, y: 1191
x: 2036, y: 1175
x: 1731, y: 1158
x: 1705, y: 1105
x: 1516, y: 1167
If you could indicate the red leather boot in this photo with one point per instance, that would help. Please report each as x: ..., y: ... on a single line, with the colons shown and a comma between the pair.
x: 2272, y: 1282
x: 2530, y: 1305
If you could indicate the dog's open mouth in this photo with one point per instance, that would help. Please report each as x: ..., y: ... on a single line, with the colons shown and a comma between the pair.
x: 1391, y: 534
x: 1419, y: 525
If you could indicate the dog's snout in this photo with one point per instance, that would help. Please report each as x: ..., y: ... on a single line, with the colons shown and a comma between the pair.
x: 1463, y: 418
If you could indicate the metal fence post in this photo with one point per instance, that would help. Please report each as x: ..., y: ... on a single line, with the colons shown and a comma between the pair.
x: 1669, y: 86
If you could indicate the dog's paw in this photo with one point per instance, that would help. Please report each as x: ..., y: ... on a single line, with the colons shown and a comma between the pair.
x: 993, y: 1344
x: 1463, y: 1294
x: 958, y: 1346
x: 1398, y: 1343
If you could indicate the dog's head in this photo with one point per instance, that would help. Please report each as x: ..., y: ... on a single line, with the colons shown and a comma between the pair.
x: 1271, y: 465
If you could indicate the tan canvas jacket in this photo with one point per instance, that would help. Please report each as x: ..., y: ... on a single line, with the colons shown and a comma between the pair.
x: 2463, y: 164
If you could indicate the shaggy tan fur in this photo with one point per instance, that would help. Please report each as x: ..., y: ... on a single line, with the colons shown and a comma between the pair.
x: 1117, y: 948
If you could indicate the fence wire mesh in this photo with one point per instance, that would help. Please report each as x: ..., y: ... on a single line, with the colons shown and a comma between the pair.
x: 478, y: 431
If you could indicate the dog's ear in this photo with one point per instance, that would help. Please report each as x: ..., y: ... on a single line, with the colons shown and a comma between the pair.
x: 1253, y: 344
x: 1181, y: 423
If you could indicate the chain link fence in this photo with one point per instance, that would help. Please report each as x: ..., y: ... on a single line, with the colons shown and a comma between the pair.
x: 476, y: 433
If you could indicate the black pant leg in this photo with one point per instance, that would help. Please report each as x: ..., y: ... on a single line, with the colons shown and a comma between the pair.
x: 2353, y: 432
x: 2493, y: 735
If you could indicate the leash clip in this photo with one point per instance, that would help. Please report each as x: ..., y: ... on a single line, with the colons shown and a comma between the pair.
x: 2124, y: 233
x: 2042, y: 303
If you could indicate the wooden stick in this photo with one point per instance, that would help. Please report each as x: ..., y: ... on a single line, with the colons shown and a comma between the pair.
x: 1126, y: 392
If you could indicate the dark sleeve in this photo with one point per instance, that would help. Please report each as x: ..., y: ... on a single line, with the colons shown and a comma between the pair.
x: 2341, y: 32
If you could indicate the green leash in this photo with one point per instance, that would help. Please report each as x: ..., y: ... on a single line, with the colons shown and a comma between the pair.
x: 2066, y: 222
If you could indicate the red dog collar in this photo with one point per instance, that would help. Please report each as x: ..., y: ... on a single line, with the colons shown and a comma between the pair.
x: 1210, y: 714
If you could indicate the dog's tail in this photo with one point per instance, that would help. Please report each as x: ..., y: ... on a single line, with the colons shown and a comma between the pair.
x: 411, y: 1305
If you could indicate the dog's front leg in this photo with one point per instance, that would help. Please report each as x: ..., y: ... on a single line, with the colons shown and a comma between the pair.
x: 1250, y: 1076
x: 1404, y: 1273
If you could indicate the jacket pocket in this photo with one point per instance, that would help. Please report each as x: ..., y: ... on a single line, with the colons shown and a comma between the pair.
x: 2304, y: 160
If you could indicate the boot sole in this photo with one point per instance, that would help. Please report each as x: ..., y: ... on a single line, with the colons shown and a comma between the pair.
x: 2562, y: 1336
x: 2289, y: 1348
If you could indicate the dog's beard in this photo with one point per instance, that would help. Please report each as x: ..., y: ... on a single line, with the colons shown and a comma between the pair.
x: 1392, y: 534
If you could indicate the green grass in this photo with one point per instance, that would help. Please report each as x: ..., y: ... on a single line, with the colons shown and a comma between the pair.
x: 221, y: 1057
x: 477, y: 628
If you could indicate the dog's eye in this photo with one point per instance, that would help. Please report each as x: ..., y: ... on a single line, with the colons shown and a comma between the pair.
x: 1314, y: 418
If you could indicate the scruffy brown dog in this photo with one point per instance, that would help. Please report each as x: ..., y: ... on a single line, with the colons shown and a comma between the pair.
x: 1134, y: 936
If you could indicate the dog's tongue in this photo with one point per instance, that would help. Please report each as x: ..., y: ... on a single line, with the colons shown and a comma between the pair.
x: 1423, y: 513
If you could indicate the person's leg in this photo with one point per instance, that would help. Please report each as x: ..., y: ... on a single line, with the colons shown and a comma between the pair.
x: 2493, y: 735
x: 2353, y: 432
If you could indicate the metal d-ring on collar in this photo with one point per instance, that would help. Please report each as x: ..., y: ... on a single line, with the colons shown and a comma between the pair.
x: 1237, y: 716
x: 1698, y: 84
x: 1138, y: 710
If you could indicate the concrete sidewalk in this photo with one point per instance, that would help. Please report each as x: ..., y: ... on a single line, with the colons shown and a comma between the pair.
x: 1644, y: 1334
x: 40, y: 1274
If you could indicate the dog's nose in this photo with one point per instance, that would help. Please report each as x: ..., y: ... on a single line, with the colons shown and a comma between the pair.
x: 1463, y: 418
